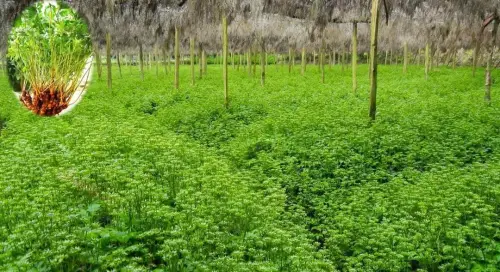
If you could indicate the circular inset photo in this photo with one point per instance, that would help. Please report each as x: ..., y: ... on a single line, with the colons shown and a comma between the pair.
x: 49, y: 58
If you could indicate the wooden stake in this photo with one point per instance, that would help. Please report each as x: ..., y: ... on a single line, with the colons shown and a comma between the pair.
x: 177, y: 58
x: 141, y: 60
x: 354, y: 57
x: 373, y: 58
x: 322, y: 61
x: 405, y: 65
x: 157, y: 61
x: 487, y: 95
x: 224, y: 56
x: 108, y: 59
x: 427, y: 60
x: 98, y: 61
x: 263, y: 57
x: 200, y: 60
x: 191, y: 41
x: 304, y: 61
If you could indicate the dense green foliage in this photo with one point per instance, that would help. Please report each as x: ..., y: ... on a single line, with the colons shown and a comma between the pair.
x: 293, y: 177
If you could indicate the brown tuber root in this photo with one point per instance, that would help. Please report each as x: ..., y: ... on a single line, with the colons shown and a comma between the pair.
x: 45, y: 103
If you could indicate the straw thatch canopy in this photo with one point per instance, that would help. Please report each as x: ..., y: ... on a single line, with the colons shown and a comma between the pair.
x: 280, y: 23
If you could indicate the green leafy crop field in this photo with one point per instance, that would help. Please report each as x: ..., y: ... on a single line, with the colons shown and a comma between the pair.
x: 292, y: 177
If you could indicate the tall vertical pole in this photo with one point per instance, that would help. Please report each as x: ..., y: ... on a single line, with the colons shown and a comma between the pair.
x: 164, y: 56
x: 263, y: 60
x: 200, y: 60
x: 304, y: 61
x: 224, y: 65
x: 98, y: 61
x: 487, y: 95
x: 354, y: 56
x: 118, y: 60
x: 141, y: 60
x: 405, y: 65
x: 191, y: 41
x: 427, y: 60
x: 177, y: 59
x: 322, y: 60
x: 373, y: 58
x: 108, y: 59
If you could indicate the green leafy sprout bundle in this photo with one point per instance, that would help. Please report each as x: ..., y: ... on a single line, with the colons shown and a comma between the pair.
x: 49, y: 47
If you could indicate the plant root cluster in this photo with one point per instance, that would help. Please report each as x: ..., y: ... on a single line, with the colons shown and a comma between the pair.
x: 45, y: 103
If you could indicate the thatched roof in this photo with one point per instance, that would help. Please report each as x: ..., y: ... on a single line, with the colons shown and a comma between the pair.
x: 280, y: 23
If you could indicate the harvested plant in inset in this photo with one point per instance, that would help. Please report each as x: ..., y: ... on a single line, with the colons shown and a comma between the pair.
x: 49, y: 46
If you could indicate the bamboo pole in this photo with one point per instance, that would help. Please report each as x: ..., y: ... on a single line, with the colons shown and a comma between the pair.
x: 149, y: 61
x: 200, y: 60
x: 157, y: 61
x: 119, y: 63
x: 322, y: 60
x: 427, y: 60
x: 191, y: 41
x: 205, y: 62
x: 476, y: 53
x: 164, y: 56
x: 289, y: 60
x: 331, y: 60
x: 487, y: 95
x: 98, y: 61
x: 233, y: 60
x: 239, y: 62
x: 224, y: 67
x: 454, y: 59
x: 108, y: 60
x: 319, y: 60
x: 431, y: 59
x: 249, y: 63
x: 255, y: 62
x: 141, y: 60
x: 129, y: 60
x: 373, y: 58
x: 263, y: 60
x: 354, y: 56
x: 405, y: 65
x: 177, y: 58
x: 343, y: 58
x: 169, y: 59
x: 276, y: 59
x: 304, y: 61
x: 438, y: 56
